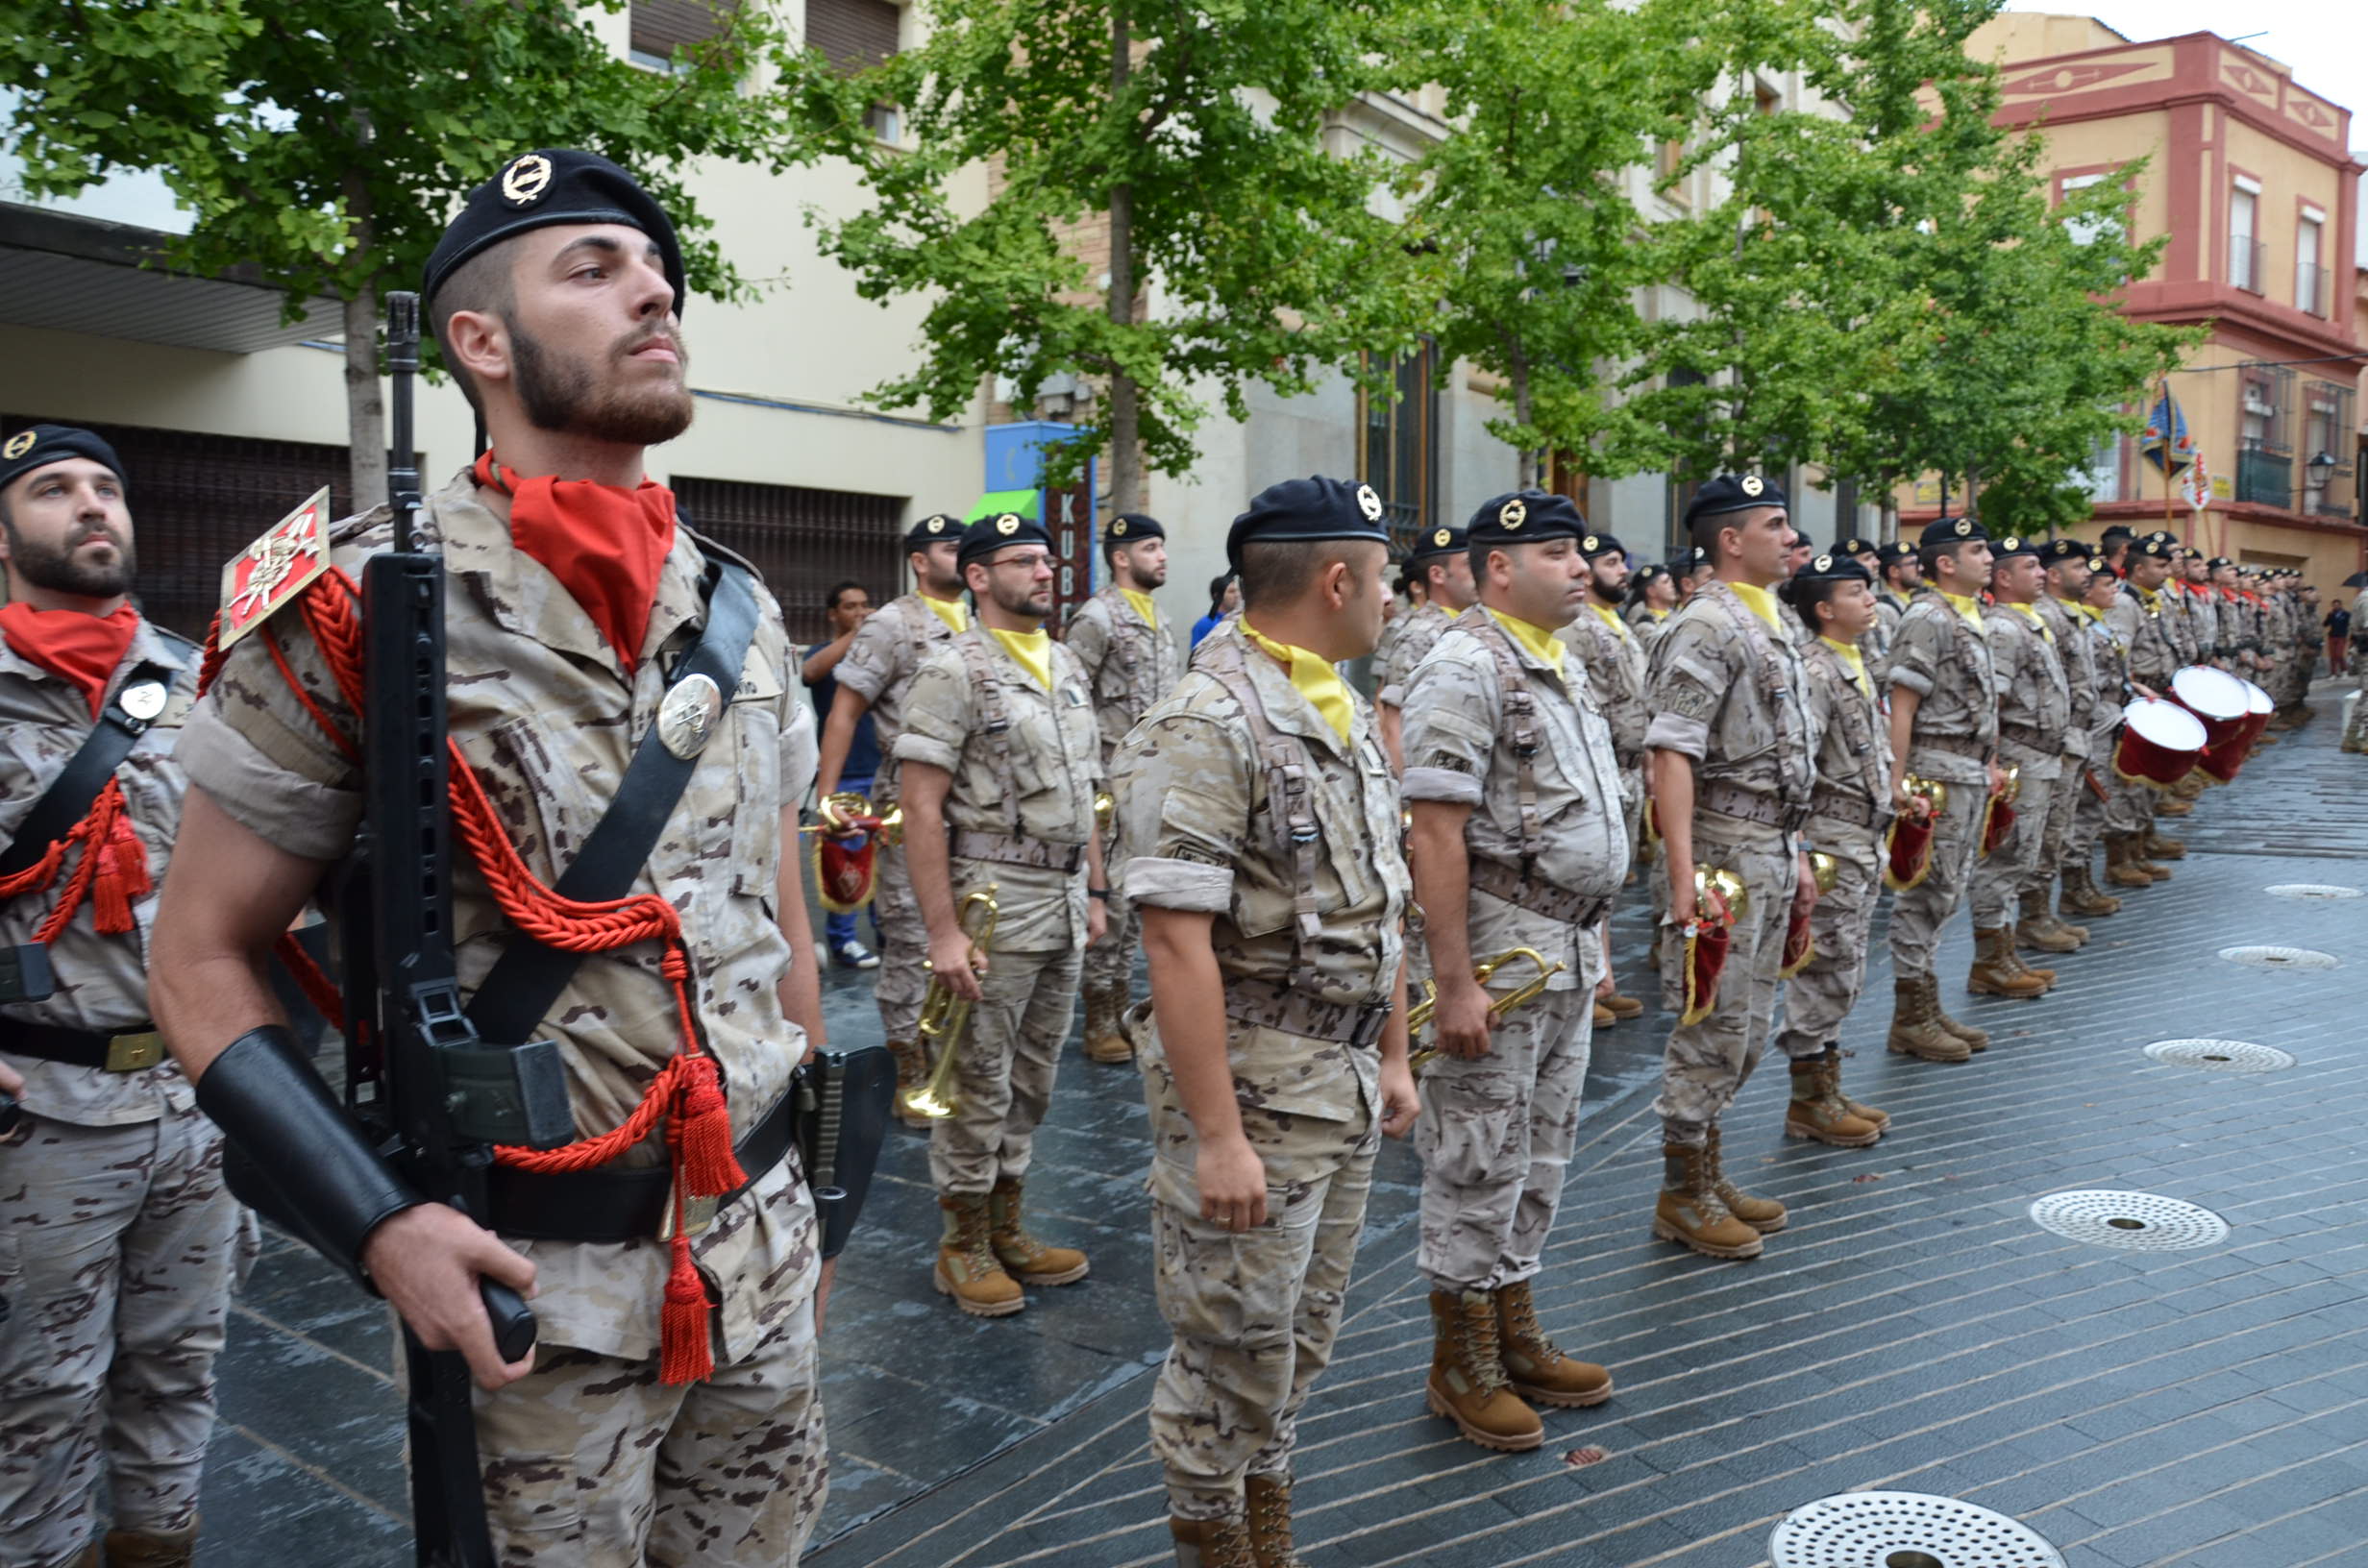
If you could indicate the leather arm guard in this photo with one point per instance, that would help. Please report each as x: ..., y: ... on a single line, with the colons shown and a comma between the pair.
x: 295, y: 1155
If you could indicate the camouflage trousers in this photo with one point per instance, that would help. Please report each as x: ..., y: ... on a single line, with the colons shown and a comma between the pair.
x: 1110, y: 963
x: 592, y: 1462
x: 1818, y: 998
x: 1918, y: 914
x: 1008, y: 1054
x: 1253, y: 1314
x: 1706, y: 1063
x: 1999, y: 877
x: 1495, y: 1135
x: 119, y: 1248
x: 2131, y: 806
x: 2084, y: 810
x: 899, y: 982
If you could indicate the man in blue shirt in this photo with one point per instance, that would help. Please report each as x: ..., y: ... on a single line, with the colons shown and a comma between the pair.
x: 848, y: 603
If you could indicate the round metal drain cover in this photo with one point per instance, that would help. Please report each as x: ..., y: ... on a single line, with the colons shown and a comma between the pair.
x: 2140, y: 1221
x: 2280, y: 958
x: 1904, y: 1530
x: 2311, y: 890
x: 2220, y: 1055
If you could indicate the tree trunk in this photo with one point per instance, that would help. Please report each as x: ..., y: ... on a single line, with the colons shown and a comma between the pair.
x: 365, y: 406
x: 1126, y: 397
x: 1526, y: 474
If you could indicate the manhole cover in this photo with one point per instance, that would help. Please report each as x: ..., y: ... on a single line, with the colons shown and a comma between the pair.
x: 2311, y: 890
x: 1904, y: 1530
x: 2220, y: 1055
x: 2142, y: 1221
x: 2278, y: 958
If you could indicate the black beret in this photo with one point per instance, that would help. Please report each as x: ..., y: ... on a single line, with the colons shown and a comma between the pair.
x: 1439, y: 541
x: 2219, y: 561
x: 991, y: 533
x: 38, y: 446
x: 2166, y: 535
x: 1525, y: 517
x: 1728, y: 493
x: 1304, y: 511
x: 2099, y: 566
x: 2057, y: 552
x: 930, y: 529
x: 1837, y: 566
x: 1854, y: 545
x: 541, y: 189
x: 1649, y: 574
x: 2157, y: 544
x: 1694, y: 560
x: 2119, y: 531
x: 1952, y: 530
x: 2013, y: 543
x: 1595, y: 546
x: 1132, y: 529
x: 1896, y: 551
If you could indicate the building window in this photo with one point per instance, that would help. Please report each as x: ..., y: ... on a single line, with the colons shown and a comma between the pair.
x: 2266, y: 447
x: 2310, y: 278
x: 2244, y: 243
x: 2087, y: 231
x: 663, y: 34
x: 1666, y: 163
x: 852, y: 34
x: 1396, y: 452
x: 2101, y: 476
x: 2325, y: 452
x: 802, y: 540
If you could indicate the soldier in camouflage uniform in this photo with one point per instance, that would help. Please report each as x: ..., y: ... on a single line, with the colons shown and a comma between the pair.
x: 1001, y: 761
x: 1852, y: 803
x: 873, y: 676
x: 1264, y: 821
x: 2064, y: 850
x: 1441, y: 562
x: 1130, y: 661
x: 118, y: 1242
x: 661, y: 1365
x: 1734, y: 756
x: 2109, y: 665
x: 1944, y: 725
x: 2135, y: 622
x: 1652, y: 597
x: 2034, y: 715
x: 1869, y: 555
x: 1897, y: 577
x: 1616, y: 664
x: 1519, y: 840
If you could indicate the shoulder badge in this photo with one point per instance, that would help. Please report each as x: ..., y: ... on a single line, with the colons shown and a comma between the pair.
x: 275, y: 569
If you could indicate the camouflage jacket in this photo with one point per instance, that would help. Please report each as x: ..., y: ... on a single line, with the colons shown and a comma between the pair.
x: 1024, y: 763
x: 1943, y: 658
x: 2136, y: 621
x: 1128, y: 665
x: 1854, y: 756
x: 2034, y: 697
x: 1616, y: 665
x: 2078, y: 652
x: 1422, y: 628
x: 102, y: 981
x: 546, y: 717
x: 878, y: 666
x: 1729, y: 693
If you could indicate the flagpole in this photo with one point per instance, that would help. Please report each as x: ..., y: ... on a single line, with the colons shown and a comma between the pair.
x: 2170, y: 427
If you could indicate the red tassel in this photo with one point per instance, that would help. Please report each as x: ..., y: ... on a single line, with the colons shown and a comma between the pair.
x: 703, y: 1131
x: 683, y: 1355
x: 122, y: 875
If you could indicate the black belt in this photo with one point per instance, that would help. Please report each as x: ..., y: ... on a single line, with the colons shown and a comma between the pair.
x: 120, y: 1051
x: 1534, y: 895
x: 1001, y: 848
x: 2030, y: 739
x: 1856, y: 809
x: 1955, y: 745
x: 622, y: 1205
x: 1266, y: 1005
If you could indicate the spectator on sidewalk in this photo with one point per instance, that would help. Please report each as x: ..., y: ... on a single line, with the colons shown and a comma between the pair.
x: 844, y: 609
x: 2338, y: 637
x: 1224, y: 597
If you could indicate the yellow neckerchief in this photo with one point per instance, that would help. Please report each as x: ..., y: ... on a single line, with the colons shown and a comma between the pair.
x: 2081, y: 607
x: 1611, y: 618
x: 1540, y: 641
x: 1856, y: 662
x: 2031, y: 613
x: 1311, y: 675
x: 1964, y: 605
x: 1032, y: 650
x: 2151, y: 598
x: 1658, y: 615
x: 952, y: 611
x: 1760, y: 603
x: 1144, y: 608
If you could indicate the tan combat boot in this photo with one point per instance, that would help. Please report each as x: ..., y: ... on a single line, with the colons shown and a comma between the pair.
x: 1468, y: 1384
x: 1023, y: 1256
x: 2170, y: 806
x: 1106, y: 1037
x: 1830, y: 1062
x: 2158, y: 847
x: 1915, y: 1026
x: 1534, y: 1366
x: 2039, y: 929
x: 1816, y: 1110
x: 1624, y: 1006
x: 1605, y: 1017
x: 2142, y: 858
x: 1269, y: 1501
x: 1994, y: 971
x: 1689, y: 1214
x: 151, y: 1548
x: 967, y: 1267
x: 2121, y: 866
x: 2080, y: 894
x: 1976, y: 1040
x: 1765, y: 1215
x: 912, y: 1072
x: 1211, y: 1543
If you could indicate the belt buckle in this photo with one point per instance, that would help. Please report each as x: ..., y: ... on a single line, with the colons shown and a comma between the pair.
x: 136, y: 1053
x: 698, y: 1213
x: 1372, y: 1018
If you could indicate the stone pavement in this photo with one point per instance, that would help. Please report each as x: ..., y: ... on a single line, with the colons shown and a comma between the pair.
x: 1912, y: 1330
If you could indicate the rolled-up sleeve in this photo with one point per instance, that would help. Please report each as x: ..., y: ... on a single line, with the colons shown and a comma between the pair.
x: 1916, y: 654
x: 937, y: 713
x: 1450, y: 724
x: 258, y: 754
x: 1689, y: 681
x: 872, y: 661
x: 1183, y: 785
x: 800, y: 749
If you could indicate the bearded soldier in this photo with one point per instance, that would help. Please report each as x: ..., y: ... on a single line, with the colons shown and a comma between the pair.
x: 2063, y: 854
x: 1733, y: 756
x: 1264, y: 825
x: 1130, y: 662
x: 1443, y: 566
x: 2034, y: 712
x: 123, y: 1242
x: 1616, y: 664
x: 1519, y: 838
x: 672, y: 1247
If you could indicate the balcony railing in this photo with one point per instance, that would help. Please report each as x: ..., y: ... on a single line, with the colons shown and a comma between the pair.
x: 2310, y: 287
x: 2245, y: 263
x: 2265, y: 480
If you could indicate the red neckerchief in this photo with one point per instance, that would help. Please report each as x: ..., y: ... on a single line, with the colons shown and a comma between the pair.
x: 71, y: 645
x: 606, y: 546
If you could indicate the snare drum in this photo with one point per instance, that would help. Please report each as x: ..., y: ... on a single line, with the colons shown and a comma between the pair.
x: 2258, y: 714
x: 2215, y: 696
x: 2159, y: 743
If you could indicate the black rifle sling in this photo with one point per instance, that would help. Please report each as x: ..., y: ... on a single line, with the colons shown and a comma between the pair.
x: 67, y: 800
x: 528, y: 978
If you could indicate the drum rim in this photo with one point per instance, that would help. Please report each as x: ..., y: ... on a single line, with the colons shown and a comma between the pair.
x: 2148, y: 707
x: 2232, y: 685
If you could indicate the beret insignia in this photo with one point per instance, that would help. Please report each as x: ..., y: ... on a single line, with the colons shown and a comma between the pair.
x: 1964, y: 527
x: 1753, y: 484
x: 20, y: 444
x: 1441, y: 538
x: 1823, y: 563
x: 1117, y: 529
x: 1587, y: 544
x: 937, y: 525
x: 1008, y: 524
x: 525, y: 180
x: 1369, y: 503
x: 2096, y: 563
x: 1512, y: 514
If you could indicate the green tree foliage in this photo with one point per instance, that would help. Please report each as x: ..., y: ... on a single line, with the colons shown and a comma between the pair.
x: 1242, y: 247
x: 327, y: 141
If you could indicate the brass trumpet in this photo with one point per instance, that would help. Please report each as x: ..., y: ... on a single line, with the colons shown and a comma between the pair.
x: 943, y: 1016
x: 1724, y: 883
x: 843, y: 809
x: 1418, y: 1015
x: 1823, y: 871
x: 1929, y: 789
x: 1105, y: 811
